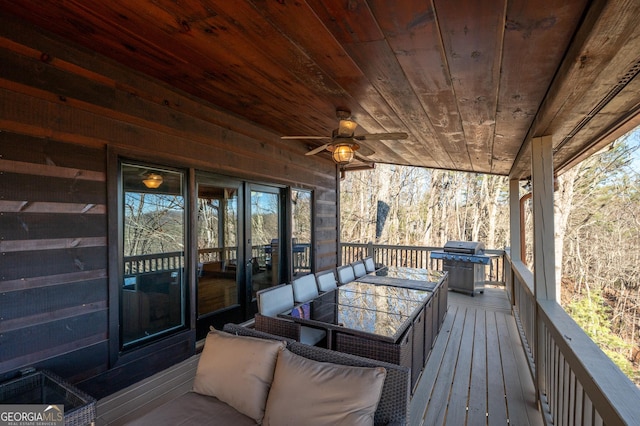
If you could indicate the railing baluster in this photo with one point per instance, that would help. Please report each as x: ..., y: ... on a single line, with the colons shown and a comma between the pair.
x: 159, y: 262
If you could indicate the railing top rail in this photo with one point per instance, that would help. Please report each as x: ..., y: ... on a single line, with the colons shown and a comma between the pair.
x: 215, y: 249
x: 499, y: 252
x: 354, y: 244
x: 523, y: 273
x: 153, y: 256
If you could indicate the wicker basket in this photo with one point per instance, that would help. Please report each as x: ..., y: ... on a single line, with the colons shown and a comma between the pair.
x: 43, y: 387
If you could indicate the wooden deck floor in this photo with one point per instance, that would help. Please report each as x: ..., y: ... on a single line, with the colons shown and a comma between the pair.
x: 476, y: 373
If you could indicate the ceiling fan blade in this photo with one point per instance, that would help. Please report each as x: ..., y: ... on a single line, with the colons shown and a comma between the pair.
x: 318, y: 149
x: 381, y: 136
x: 363, y: 157
x: 364, y: 151
x: 305, y: 137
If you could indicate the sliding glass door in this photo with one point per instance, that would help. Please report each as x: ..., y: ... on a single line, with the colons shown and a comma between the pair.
x: 264, y: 242
x: 220, y: 295
x: 238, y: 231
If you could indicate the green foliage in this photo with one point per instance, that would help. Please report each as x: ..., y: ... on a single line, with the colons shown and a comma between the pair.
x: 592, y: 314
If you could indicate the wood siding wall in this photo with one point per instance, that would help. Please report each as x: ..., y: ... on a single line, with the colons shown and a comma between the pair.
x: 53, y: 288
x: 63, y: 112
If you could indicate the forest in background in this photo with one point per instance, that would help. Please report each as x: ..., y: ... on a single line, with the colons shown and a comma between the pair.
x: 597, y: 228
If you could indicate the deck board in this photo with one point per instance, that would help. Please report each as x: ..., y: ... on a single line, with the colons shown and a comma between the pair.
x: 496, y: 405
x: 427, y: 381
x: 519, y: 388
x: 457, y: 407
x: 477, y: 372
x: 446, y: 370
x: 477, y: 411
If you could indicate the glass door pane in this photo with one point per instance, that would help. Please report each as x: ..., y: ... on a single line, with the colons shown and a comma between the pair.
x: 217, y: 248
x: 301, y: 221
x: 265, y: 234
x: 153, y: 234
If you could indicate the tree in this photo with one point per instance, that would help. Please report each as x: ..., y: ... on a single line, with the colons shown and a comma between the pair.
x: 596, y: 218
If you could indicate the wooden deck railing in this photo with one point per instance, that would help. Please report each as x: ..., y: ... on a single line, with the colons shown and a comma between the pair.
x: 520, y: 288
x: 577, y: 383
x: 217, y: 254
x: 415, y: 257
x: 157, y: 262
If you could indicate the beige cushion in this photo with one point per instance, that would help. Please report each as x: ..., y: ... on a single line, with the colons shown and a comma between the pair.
x: 237, y: 370
x: 192, y: 409
x: 319, y: 393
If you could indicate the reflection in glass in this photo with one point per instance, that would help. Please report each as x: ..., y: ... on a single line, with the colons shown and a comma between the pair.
x: 217, y: 248
x: 265, y: 248
x: 380, y: 309
x: 301, y: 232
x: 370, y: 321
x: 153, y: 254
x: 384, y: 292
x: 415, y: 274
x: 385, y: 311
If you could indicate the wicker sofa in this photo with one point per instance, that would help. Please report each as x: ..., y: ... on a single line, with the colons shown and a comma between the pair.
x: 194, y: 407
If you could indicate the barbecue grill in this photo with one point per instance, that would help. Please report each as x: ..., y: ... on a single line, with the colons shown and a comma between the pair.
x: 465, y: 262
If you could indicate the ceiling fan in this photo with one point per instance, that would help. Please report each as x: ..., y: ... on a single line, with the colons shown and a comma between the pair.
x: 343, y: 143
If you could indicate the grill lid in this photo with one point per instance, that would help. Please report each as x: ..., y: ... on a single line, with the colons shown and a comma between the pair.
x: 466, y: 247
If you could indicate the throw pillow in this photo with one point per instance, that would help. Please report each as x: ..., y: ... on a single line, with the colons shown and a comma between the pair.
x: 237, y: 370
x: 312, y: 393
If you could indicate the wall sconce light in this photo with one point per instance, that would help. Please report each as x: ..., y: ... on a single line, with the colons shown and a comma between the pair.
x: 152, y: 180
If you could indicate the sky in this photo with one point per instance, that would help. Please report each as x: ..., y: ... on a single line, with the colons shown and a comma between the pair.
x: 634, y: 141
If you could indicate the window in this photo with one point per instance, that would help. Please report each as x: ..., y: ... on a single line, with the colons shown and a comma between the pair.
x: 301, y: 231
x: 153, y: 242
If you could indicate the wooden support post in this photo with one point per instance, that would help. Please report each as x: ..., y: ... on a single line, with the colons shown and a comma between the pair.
x: 543, y: 246
x: 514, y: 218
x: 515, y: 227
x: 543, y: 230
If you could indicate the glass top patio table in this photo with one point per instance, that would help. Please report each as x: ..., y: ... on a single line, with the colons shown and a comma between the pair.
x: 377, y: 311
x: 378, y: 293
x: 416, y: 278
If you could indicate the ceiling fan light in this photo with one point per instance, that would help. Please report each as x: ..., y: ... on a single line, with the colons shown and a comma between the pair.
x: 152, y: 180
x: 343, y: 153
x: 347, y: 128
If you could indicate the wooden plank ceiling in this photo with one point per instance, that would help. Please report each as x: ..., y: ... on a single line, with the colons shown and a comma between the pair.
x: 470, y: 81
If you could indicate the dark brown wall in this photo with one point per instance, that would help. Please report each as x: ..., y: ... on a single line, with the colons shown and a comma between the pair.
x: 63, y: 110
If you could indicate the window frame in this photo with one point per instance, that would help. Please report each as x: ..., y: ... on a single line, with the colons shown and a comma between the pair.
x: 120, y: 353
